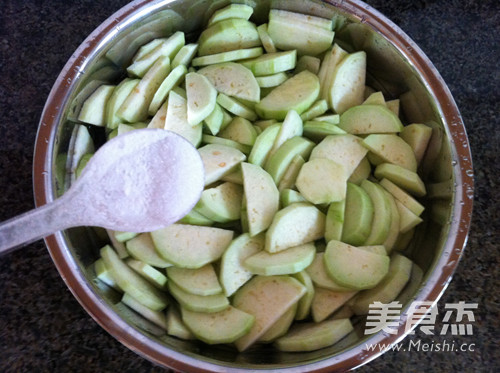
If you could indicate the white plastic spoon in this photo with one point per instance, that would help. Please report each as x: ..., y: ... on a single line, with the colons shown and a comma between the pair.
x: 139, y: 181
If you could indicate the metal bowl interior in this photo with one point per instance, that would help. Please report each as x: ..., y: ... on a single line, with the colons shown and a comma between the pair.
x: 395, y: 65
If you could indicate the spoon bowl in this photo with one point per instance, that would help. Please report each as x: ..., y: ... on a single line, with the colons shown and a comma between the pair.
x: 140, y: 181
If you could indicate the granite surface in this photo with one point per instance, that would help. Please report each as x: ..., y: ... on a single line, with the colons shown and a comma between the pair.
x: 42, y: 326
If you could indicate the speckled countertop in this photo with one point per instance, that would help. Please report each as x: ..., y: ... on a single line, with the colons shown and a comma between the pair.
x: 44, y: 329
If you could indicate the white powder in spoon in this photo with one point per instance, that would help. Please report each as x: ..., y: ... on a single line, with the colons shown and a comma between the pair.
x: 140, y: 181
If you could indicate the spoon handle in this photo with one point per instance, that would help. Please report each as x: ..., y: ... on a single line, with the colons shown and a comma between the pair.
x: 35, y: 224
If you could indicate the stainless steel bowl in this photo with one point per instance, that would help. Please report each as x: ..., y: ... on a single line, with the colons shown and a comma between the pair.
x: 395, y: 65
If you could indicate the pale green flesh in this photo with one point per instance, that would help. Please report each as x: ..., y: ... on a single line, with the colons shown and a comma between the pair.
x: 348, y: 84
x: 417, y: 136
x: 358, y: 216
x: 295, y: 225
x: 291, y: 127
x: 311, y: 336
x: 290, y: 176
x: 273, y: 80
x: 124, y: 128
x: 142, y: 248
x: 166, y: 48
x: 289, y: 196
x: 93, y: 110
x: 265, y: 39
x: 326, y: 302
x: 121, y: 236
x: 381, y: 221
x: 198, y: 303
x: 201, y: 98
x: 262, y: 197
x: 392, y: 237
x: 367, y: 119
x: 235, y: 107
x: 233, y: 274
x: 331, y: 118
x: 214, y: 120
x: 239, y: 54
x: 149, y: 273
x: 120, y: 248
x: 104, y: 275
x: 403, y: 240
x: 242, y: 11
x: 240, y: 130
x: 280, y: 327
x: 285, y: 262
x: 307, y: 39
x: 193, y: 217
x: 354, y: 268
x: 388, y: 289
x: 267, y: 298
x: 155, y: 317
x: 83, y: 162
x: 215, y: 140
x: 326, y: 73
x: 200, y: 281
x: 222, y: 203
x: 271, y: 63
x: 263, y: 145
x: 304, y: 305
x: 265, y: 123
x: 176, y: 119
x: 219, y: 160
x: 225, y: 326
x: 175, y: 325
x: 226, y: 118
x: 299, y: 18
x: 393, y: 105
x: 278, y: 163
x: 392, y: 149
x: 344, y: 149
x: 335, y: 221
x: 233, y: 79
x: 119, y: 95
x: 235, y: 177
x: 322, y: 180
x: 139, y: 321
x: 403, y: 178
x: 361, y: 172
x: 343, y: 312
x: 376, y: 249
x: 172, y: 80
x: 319, y: 276
x: 407, y: 219
x: 83, y: 144
x: 190, y: 246
x: 131, y: 282
x: 376, y: 98
x: 309, y: 63
x: 319, y: 108
x: 441, y: 190
x: 413, y: 284
x: 158, y: 120
x: 148, y: 47
x: 286, y: 96
x: 226, y: 35
x: 185, y: 55
x: 136, y: 105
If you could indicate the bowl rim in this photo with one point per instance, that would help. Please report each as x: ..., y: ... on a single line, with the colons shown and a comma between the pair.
x: 436, y: 281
